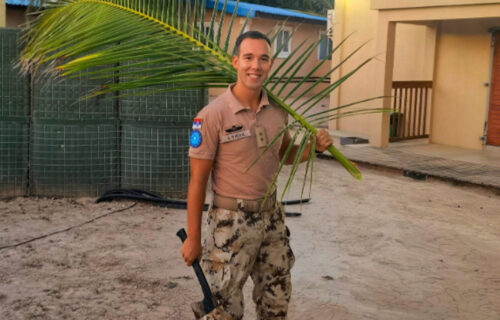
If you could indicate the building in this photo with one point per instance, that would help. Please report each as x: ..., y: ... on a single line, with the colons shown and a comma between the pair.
x: 441, y: 57
x: 2, y: 13
x: 12, y: 13
x: 302, y: 27
x: 296, y: 27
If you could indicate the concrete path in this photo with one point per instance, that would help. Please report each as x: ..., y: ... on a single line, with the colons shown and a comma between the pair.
x: 419, y: 159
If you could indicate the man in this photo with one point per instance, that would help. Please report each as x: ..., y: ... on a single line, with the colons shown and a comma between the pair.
x: 246, y: 235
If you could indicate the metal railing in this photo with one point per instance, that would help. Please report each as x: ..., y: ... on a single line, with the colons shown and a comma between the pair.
x: 411, y: 110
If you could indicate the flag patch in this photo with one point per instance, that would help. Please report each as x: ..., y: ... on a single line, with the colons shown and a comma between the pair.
x: 197, y: 123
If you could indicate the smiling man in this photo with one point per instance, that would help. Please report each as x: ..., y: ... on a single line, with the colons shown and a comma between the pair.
x: 246, y: 235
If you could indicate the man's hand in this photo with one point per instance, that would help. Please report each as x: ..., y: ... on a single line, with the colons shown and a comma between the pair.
x: 191, y: 250
x: 323, y: 140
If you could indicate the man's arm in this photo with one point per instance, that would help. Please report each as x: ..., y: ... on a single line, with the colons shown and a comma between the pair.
x: 323, y: 140
x: 200, y: 171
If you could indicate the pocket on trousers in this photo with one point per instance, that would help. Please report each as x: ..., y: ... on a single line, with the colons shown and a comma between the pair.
x: 289, y: 253
x: 216, y: 265
x: 221, y: 234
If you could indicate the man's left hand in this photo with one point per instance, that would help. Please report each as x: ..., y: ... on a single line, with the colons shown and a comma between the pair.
x: 323, y: 140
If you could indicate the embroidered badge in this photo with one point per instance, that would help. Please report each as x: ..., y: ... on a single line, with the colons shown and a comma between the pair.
x: 195, y: 138
x: 197, y: 123
x: 234, y: 129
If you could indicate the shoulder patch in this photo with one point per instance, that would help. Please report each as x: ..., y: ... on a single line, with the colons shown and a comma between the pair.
x: 197, y: 123
x: 195, y: 138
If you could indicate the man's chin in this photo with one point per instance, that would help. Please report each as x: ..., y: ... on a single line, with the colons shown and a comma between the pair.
x: 254, y: 85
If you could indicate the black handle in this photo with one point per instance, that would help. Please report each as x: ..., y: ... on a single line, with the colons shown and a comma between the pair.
x: 208, y: 301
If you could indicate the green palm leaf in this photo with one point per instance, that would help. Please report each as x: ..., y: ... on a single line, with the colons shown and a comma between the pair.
x: 167, y: 39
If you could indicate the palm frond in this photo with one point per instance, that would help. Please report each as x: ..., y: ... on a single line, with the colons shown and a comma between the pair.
x: 153, y: 43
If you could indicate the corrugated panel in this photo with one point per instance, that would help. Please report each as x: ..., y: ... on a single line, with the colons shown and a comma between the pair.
x: 244, y: 8
x: 18, y: 2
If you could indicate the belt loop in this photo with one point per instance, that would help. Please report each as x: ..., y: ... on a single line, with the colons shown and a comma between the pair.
x: 241, y: 204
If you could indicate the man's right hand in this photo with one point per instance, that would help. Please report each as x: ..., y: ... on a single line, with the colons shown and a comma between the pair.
x: 191, y: 250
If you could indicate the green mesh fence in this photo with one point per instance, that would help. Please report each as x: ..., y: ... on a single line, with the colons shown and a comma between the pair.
x: 57, y: 144
x: 14, y: 119
x: 74, y: 150
x: 155, y: 138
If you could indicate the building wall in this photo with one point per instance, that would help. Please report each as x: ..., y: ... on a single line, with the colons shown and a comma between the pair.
x: 15, y: 16
x: 456, y: 58
x: 414, y: 52
x: 460, y: 96
x: 399, y: 4
x: 2, y: 13
x: 310, y: 33
x: 305, y: 32
x: 353, y: 18
x: 413, y: 60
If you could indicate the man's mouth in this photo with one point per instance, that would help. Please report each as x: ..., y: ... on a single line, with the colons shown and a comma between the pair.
x: 254, y: 76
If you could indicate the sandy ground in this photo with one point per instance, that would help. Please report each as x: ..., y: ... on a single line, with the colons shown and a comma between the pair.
x: 386, y: 248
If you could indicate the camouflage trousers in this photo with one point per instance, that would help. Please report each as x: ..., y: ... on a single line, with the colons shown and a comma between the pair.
x: 239, y: 244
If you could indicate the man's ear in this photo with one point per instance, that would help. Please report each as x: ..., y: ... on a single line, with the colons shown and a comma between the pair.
x: 235, y: 61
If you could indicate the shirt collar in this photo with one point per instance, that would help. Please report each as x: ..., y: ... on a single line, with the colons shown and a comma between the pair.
x: 236, y: 105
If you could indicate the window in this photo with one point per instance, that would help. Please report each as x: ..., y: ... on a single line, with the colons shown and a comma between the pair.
x: 206, y: 29
x: 283, y: 40
x: 325, y: 46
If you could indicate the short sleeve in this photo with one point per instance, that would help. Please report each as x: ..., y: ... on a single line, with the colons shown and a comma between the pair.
x: 210, y: 127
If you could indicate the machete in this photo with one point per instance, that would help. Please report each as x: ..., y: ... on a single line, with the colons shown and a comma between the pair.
x: 208, y: 300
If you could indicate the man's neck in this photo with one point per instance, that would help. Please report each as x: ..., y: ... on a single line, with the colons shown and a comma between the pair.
x: 248, y: 97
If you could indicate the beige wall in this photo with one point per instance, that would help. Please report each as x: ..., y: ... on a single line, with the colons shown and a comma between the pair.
x: 399, y: 4
x: 414, y: 52
x: 354, y: 17
x: 408, y: 46
x: 2, y: 13
x: 460, y: 94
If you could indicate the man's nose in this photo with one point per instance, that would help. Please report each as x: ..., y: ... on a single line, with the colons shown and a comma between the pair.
x: 256, y: 64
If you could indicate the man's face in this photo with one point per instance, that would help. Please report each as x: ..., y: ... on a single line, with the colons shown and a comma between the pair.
x: 252, y: 63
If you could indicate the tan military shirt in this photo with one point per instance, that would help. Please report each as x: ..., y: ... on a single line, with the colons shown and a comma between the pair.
x: 233, y: 135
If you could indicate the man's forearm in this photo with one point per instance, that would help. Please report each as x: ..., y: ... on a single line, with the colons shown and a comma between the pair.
x: 196, y: 199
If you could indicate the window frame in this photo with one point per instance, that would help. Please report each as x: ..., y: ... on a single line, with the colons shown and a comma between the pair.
x: 329, y: 44
x: 206, y: 25
x: 283, y: 54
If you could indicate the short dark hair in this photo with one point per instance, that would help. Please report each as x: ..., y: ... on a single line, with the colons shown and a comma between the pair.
x: 251, y: 35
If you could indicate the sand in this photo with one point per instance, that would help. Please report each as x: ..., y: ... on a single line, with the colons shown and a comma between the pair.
x: 386, y: 248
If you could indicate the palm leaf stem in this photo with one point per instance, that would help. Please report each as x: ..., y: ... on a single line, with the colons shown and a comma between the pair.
x: 339, y: 156
x: 270, y: 144
x: 283, y: 161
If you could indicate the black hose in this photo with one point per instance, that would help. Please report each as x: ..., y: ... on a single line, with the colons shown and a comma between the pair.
x: 141, y: 195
